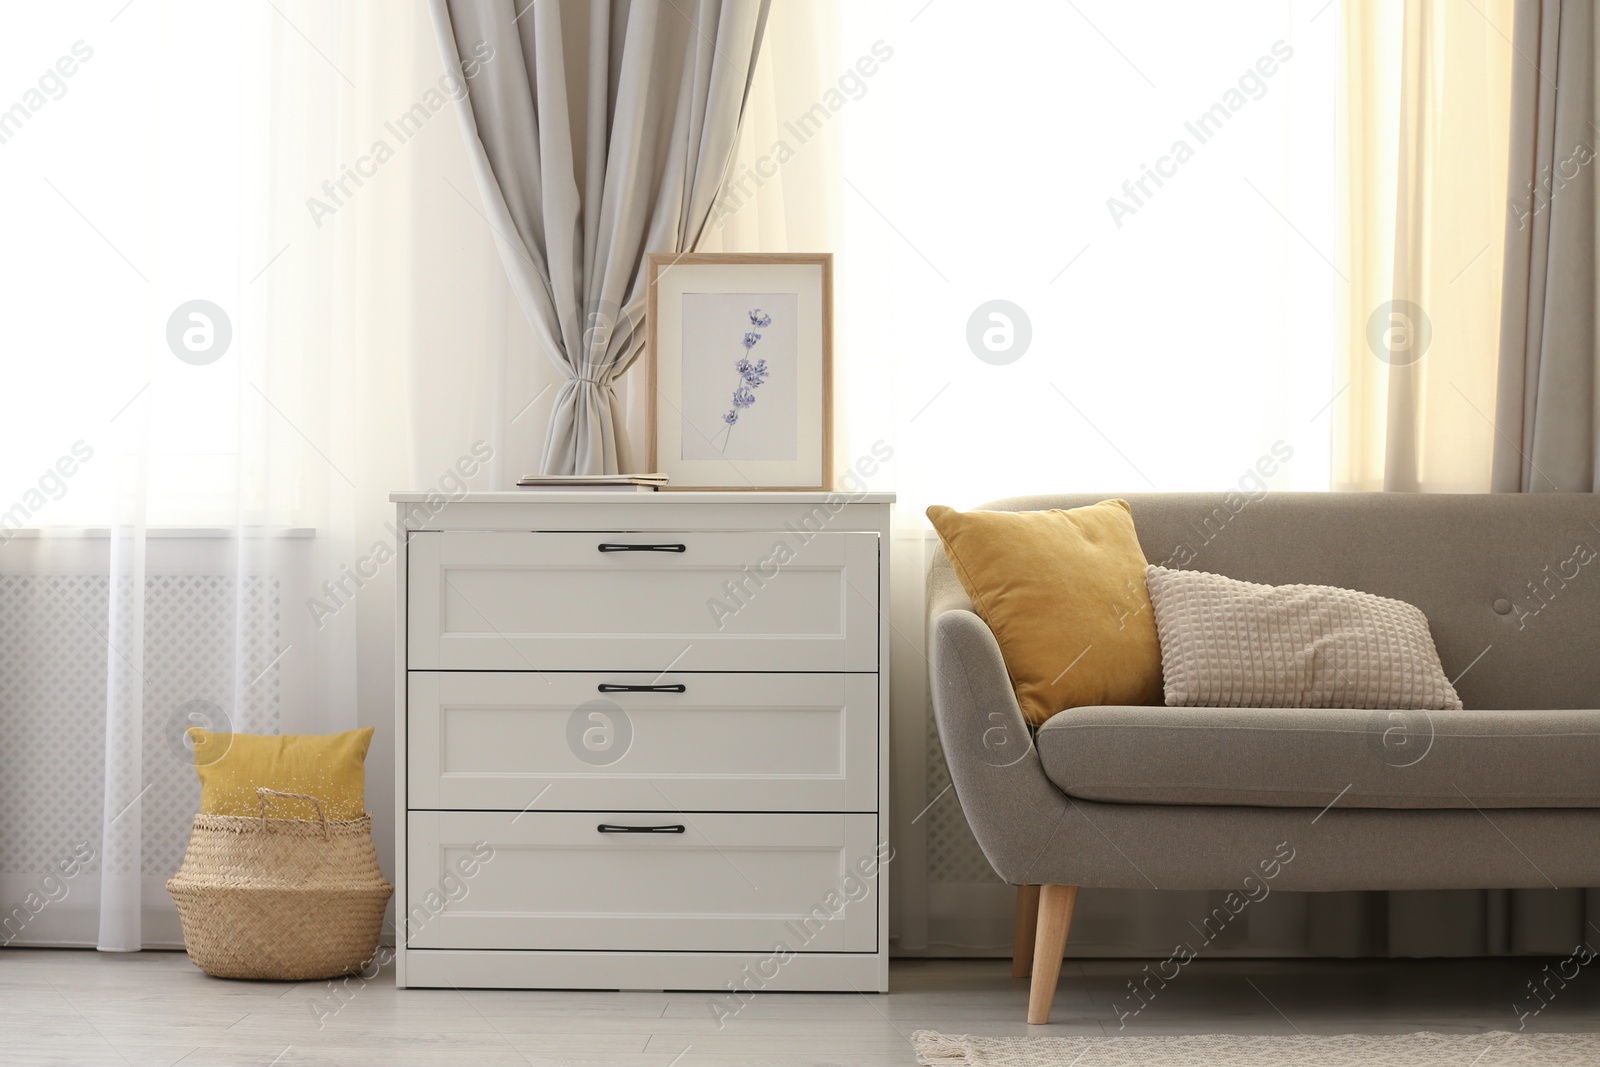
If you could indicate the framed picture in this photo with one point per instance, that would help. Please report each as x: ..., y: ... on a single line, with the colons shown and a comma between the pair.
x: 740, y: 354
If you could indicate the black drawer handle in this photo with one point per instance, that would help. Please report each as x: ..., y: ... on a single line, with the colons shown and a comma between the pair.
x: 607, y: 547
x: 610, y: 828
x: 608, y: 687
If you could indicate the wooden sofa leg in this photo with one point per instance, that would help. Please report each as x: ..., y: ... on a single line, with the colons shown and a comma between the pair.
x: 1027, y: 930
x: 1055, y: 919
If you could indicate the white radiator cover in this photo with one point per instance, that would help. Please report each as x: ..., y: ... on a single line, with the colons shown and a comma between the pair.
x: 54, y: 658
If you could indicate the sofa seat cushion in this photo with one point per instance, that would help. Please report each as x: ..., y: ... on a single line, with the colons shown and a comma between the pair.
x: 1300, y: 758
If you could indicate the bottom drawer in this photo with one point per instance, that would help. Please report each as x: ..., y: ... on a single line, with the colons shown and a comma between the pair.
x: 725, y: 883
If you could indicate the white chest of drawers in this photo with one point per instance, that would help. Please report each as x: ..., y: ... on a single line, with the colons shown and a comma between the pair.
x: 642, y: 741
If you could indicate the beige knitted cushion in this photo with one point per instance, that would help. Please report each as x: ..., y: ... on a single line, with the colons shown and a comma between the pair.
x: 1232, y: 644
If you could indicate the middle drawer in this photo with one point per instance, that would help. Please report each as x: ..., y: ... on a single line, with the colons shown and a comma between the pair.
x: 619, y: 740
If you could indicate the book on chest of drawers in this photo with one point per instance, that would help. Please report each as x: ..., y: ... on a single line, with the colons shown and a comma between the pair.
x: 642, y: 741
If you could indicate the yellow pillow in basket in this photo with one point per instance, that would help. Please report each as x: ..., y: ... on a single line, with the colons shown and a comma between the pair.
x: 330, y: 767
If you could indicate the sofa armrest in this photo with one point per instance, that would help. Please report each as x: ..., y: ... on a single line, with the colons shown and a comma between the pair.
x: 1013, y: 808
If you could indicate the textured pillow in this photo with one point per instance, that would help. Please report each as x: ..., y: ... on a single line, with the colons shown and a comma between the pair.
x: 1063, y: 592
x: 330, y: 767
x: 1232, y: 644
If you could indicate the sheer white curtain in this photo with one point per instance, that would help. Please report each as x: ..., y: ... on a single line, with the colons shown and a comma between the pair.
x: 1080, y: 255
x: 1425, y: 139
x: 193, y: 532
x: 1151, y: 214
x: 1176, y: 303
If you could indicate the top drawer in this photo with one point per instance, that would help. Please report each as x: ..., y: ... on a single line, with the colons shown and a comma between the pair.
x: 756, y: 601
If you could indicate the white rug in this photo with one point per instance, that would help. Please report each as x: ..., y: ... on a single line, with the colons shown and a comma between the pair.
x: 1498, y: 1049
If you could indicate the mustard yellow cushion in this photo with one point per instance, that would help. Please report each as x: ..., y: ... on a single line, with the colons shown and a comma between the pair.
x: 1064, y: 593
x: 330, y: 767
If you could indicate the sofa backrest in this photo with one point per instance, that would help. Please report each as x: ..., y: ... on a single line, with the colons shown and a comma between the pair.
x: 1510, y: 583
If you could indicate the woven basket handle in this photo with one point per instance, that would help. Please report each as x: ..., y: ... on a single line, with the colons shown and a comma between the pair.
x: 262, y: 793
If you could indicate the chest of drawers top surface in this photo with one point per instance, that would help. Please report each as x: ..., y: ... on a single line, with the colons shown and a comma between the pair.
x: 566, y: 496
x: 613, y: 510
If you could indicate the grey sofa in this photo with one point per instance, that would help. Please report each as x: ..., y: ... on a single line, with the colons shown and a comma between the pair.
x: 1505, y: 794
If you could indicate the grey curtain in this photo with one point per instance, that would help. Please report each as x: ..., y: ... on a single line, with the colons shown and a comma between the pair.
x: 1545, y: 441
x: 1547, y: 416
x: 1547, y: 412
x: 600, y: 130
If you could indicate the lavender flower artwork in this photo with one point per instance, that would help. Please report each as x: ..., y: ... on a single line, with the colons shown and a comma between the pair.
x: 751, y: 374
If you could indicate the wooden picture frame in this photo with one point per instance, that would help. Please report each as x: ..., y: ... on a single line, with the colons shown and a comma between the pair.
x: 777, y: 305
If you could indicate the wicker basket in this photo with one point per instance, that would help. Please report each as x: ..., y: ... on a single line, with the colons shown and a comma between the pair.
x: 280, y: 898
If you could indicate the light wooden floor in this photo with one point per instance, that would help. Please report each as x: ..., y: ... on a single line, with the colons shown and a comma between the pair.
x: 82, y: 1009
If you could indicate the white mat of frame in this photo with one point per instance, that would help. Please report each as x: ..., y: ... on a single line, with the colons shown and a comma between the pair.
x: 1241, y: 1050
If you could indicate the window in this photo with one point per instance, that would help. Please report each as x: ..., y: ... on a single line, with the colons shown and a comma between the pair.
x: 133, y: 148
x: 1143, y: 222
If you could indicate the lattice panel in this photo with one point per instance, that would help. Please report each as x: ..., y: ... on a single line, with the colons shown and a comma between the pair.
x: 55, y: 648
x: 953, y: 853
x: 52, y: 701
